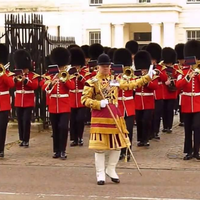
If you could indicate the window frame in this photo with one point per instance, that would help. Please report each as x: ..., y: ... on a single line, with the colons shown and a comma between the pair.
x: 95, y: 40
x: 144, y: 1
x: 96, y: 4
x: 193, y: 32
x: 193, y: 2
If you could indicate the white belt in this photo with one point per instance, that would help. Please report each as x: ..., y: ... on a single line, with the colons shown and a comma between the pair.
x: 59, y: 95
x: 74, y: 91
x: 125, y: 98
x: 159, y: 83
x: 24, y: 91
x: 144, y: 94
x: 191, y: 93
x: 4, y: 93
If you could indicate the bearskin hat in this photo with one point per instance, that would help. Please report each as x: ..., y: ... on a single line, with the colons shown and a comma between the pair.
x: 142, y: 60
x: 85, y: 49
x: 106, y: 49
x: 155, y: 51
x: 111, y: 53
x: 179, y: 48
x: 48, y: 61
x: 169, y: 55
x: 192, y: 48
x: 3, y: 54
x: 122, y: 56
x: 95, y: 50
x: 132, y: 46
x: 60, y: 56
x: 77, y: 56
x: 72, y: 46
x: 22, y: 59
x: 104, y: 59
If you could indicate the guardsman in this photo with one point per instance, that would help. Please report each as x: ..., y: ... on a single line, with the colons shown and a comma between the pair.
x: 101, y: 95
x: 6, y: 82
x: 85, y: 49
x: 126, y: 103
x: 155, y: 51
x: 78, y: 110
x: 189, y: 82
x: 170, y: 91
x: 144, y: 99
x: 179, y: 48
x: 59, y: 102
x: 26, y: 82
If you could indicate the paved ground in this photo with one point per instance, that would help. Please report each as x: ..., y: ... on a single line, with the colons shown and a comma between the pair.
x: 32, y: 173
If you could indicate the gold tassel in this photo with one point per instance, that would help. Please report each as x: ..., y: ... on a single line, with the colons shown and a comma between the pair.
x: 125, y: 159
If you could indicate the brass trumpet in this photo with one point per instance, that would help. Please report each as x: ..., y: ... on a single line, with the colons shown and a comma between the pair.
x: 127, y: 72
x: 2, y: 70
x: 63, y: 76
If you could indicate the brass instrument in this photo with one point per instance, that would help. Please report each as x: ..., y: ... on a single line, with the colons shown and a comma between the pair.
x: 127, y: 72
x: 2, y: 70
x: 63, y: 76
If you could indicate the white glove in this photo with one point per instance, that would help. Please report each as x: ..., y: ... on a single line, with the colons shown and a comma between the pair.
x: 104, y: 102
x: 114, y: 83
x: 151, y: 72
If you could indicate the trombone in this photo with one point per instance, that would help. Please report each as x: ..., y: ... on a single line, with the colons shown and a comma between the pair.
x: 3, y: 69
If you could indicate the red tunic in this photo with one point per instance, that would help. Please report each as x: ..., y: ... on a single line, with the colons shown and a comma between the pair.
x: 144, y: 96
x: 6, y: 83
x: 59, y: 101
x: 24, y: 94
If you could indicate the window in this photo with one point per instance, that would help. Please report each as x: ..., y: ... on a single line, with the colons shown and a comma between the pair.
x: 144, y: 1
x: 193, y: 1
x: 146, y: 36
x: 94, y: 37
x: 191, y: 35
x: 96, y: 2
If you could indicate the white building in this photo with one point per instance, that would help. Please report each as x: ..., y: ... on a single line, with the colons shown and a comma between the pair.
x: 114, y: 22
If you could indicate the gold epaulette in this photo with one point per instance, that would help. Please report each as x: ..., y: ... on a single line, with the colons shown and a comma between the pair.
x: 155, y: 77
x: 87, y: 73
x: 35, y: 75
x: 10, y: 74
x: 180, y: 71
x: 47, y: 82
x: 162, y: 64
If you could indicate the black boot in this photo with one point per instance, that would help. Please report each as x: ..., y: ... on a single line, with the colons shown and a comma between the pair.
x: 21, y: 144
x: 188, y: 157
x: 56, y: 155
x: 1, y: 154
x: 80, y: 142
x: 63, y: 155
x: 73, y: 144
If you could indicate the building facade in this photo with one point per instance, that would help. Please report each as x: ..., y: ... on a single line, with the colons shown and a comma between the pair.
x: 113, y: 22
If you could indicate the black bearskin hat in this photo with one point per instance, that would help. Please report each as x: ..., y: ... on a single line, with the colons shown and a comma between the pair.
x: 85, y: 49
x: 122, y: 56
x: 77, y: 56
x: 95, y: 50
x: 142, y: 60
x: 22, y: 59
x: 48, y: 61
x: 179, y: 48
x: 106, y: 49
x: 155, y: 51
x: 60, y: 56
x: 132, y: 46
x: 3, y: 54
x: 169, y: 55
x: 104, y: 59
x: 72, y: 46
x: 111, y: 53
x: 192, y: 48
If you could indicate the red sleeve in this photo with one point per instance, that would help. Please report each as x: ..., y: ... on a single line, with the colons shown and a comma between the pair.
x: 33, y: 84
x: 181, y: 81
x: 8, y: 80
x: 153, y: 85
x: 70, y: 84
x: 163, y: 76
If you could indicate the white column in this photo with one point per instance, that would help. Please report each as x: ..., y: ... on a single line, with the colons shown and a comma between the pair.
x: 106, y: 34
x: 119, y: 35
x: 156, y: 33
x: 169, y: 34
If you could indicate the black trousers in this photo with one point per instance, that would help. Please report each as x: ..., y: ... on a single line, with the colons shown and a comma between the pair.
x: 77, y: 122
x: 157, y: 116
x: 59, y: 124
x: 24, y: 123
x: 181, y: 115
x: 3, y: 126
x: 129, y: 124
x: 191, y: 124
x: 168, y: 113
x: 144, y: 121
